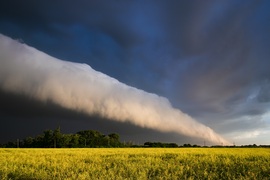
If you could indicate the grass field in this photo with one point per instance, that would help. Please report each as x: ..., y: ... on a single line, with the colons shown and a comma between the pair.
x: 135, y: 163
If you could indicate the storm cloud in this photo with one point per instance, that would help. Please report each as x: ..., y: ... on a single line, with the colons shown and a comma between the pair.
x: 78, y: 87
x: 208, y: 58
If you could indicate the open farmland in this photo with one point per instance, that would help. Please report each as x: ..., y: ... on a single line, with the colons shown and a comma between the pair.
x: 135, y: 163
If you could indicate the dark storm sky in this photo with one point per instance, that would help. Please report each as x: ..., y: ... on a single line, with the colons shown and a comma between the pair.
x: 210, y: 59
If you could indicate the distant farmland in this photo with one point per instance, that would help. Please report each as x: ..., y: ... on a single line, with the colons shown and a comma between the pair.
x: 135, y: 163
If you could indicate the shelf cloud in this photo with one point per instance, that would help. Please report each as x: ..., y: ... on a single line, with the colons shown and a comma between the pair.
x: 29, y: 72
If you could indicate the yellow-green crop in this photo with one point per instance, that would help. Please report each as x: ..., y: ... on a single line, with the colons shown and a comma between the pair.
x: 135, y: 163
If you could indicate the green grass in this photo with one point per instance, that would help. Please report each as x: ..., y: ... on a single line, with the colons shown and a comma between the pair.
x: 135, y: 163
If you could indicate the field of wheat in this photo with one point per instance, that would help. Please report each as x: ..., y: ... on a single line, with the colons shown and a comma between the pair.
x: 135, y: 163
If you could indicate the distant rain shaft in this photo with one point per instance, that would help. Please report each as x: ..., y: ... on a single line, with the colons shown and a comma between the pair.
x: 26, y: 71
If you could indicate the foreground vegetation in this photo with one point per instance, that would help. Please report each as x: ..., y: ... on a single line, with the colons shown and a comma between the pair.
x: 135, y: 163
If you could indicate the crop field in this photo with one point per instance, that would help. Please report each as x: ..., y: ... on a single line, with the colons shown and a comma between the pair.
x: 135, y: 163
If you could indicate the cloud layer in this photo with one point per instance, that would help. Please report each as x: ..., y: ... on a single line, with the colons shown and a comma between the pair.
x: 29, y: 72
x: 208, y: 58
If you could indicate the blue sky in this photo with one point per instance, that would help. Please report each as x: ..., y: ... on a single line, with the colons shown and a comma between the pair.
x: 209, y: 58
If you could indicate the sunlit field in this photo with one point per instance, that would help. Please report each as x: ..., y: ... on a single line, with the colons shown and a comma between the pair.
x: 135, y: 163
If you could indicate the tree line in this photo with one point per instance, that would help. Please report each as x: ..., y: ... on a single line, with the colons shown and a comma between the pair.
x: 82, y: 139
x: 93, y: 139
x: 56, y: 139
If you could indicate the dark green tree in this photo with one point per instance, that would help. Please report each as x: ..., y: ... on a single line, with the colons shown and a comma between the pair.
x: 114, y: 140
x: 38, y: 141
x: 28, y: 142
x: 90, y: 138
x: 187, y: 145
x: 64, y: 141
x: 74, y: 142
x: 57, y: 137
x: 48, y: 139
